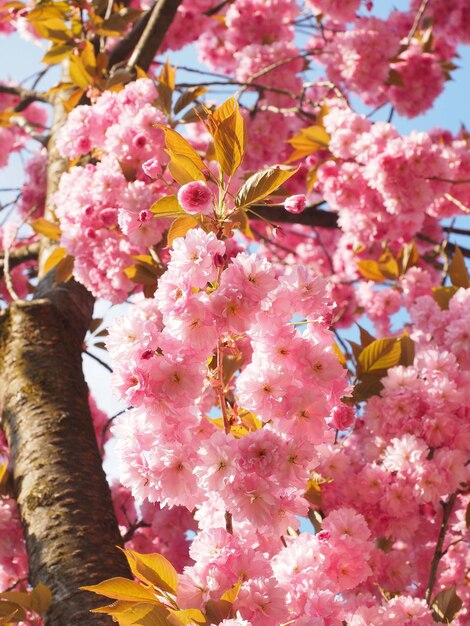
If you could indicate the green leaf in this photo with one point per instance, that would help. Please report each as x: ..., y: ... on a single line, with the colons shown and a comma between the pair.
x: 168, y: 206
x: 458, y: 272
x: 446, y: 605
x: 262, y: 184
x: 380, y: 354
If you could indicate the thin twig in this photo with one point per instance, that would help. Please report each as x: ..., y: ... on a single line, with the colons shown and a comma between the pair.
x: 98, y: 360
x: 438, y: 553
x: 417, y: 21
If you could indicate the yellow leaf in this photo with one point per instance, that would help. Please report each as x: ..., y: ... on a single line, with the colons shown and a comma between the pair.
x: 41, y: 598
x: 71, y: 102
x: 180, y: 227
x: 308, y: 141
x: 57, y: 53
x: 187, y: 97
x: 10, y: 610
x: 388, y: 265
x: 240, y: 220
x: 153, y: 569
x: 142, y: 613
x: 167, y: 75
x: 143, y: 274
x: 229, y: 137
x: 79, y: 72
x: 186, y: 617
x: 122, y: 589
x: 231, y: 594
x: 168, y: 206
x: 262, y: 184
x: 380, y: 354
x: 55, y: 256
x: 179, y: 145
x: 458, y: 272
x: 183, y: 169
x: 443, y: 295
x: 408, y: 257
x: 64, y: 269
x: 339, y: 354
x: 5, y: 479
x: 41, y: 226
x: 370, y: 269
x: 407, y: 345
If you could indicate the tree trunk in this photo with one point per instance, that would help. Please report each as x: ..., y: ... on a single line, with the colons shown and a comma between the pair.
x: 66, y: 509
x: 65, y: 504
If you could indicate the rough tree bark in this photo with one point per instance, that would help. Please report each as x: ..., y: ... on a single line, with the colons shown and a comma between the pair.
x: 66, y: 509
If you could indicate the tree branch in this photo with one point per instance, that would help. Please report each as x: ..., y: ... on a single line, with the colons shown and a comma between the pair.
x: 438, y: 552
x: 20, y: 255
x: 161, y: 17
x: 27, y: 96
x: 312, y: 216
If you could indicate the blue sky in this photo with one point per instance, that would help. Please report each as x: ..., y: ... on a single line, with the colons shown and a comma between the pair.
x: 20, y: 60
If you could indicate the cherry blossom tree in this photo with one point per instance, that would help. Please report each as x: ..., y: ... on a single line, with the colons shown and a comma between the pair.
x: 294, y: 358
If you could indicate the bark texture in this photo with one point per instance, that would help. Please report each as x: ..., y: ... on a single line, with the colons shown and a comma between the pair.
x: 66, y: 509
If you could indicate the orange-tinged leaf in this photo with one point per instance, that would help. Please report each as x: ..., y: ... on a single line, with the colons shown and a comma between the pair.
x: 443, y: 295
x: 72, y: 101
x: 407, y: 350
x: 380, y: 354
x: 180, y: 227
x: 168, y: 206
x: 229, y: 143
x: 308, y: 141
x: 22, y: 598
x: 57, y: 53
x: 179, y: 145
x: 5, y: 480
x: 262, y: 184
x: 388, y: 265
x: 458, y: 272
x: 41, y: 226
x: 446, y: 605
x: 339, y: 354
x: 64, y: 269
x: 408, y: 257
x: 231, y: 594
x: 183, y: 169
x: 167, y: 75
x: 188, y: 97
x: 154, y: 569
x: 41, y: 598
x: 10, y: 610
x: 186, y: 617
x: 80, y: 74
x: 122, y: 589
x: 218, y: 610
x: 55, y: 256
x: 128, y: 613
x: 370, y: 269
x: 240, y: 220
